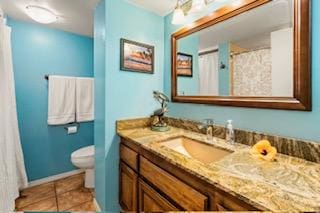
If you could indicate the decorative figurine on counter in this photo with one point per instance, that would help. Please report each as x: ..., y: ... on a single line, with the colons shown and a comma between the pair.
x: 158, y: 124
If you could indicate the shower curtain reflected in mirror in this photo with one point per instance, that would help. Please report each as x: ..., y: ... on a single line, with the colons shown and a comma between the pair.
x: 12, y: 168
x: 252, y: 73
x: 208, y: 74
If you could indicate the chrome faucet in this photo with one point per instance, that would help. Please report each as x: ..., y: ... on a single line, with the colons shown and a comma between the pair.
x: 208, y: 125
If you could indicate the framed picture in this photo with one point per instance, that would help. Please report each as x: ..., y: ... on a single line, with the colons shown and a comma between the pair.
x: 136, y: 57
x: 184, y: 65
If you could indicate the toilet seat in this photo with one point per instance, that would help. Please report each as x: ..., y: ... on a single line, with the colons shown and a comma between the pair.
x: 83, y: 158
x: 85, y: 152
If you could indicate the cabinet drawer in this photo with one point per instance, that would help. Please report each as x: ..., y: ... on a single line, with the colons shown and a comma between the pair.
x: 151, y: 201
x: 129, y: 156
x: 226, y: 202
x: 185, y: 196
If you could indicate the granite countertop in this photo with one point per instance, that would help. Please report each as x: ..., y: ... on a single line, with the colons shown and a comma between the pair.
x: 287, y: 184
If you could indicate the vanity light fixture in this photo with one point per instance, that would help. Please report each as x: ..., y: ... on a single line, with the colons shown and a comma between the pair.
x: 41, y: 14
x: 197, y: 6
x: 178, y: 15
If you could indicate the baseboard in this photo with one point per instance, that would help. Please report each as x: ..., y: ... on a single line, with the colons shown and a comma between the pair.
x: 98, y: 209
x: 54, y: 178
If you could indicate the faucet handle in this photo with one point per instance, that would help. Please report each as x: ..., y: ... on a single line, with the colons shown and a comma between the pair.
x: 206, y: 123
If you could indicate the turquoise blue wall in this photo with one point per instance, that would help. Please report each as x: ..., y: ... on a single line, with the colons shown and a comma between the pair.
x: 37, y: 51
x: 99, y: 124
x: 224, y: 74
x: 304, y: 125
x: 127, y: 94
x: 190, y: 45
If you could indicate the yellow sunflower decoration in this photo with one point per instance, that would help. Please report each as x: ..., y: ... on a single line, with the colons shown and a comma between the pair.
x: 263, y: 150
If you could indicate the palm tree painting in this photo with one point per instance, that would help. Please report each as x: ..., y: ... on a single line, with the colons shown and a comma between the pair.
x: 184, y: 65
x: 137, y: 57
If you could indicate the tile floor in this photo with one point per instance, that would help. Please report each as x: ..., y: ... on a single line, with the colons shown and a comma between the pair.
x: 66, y: 194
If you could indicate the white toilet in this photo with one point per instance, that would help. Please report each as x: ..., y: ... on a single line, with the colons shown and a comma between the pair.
x: 84, y: 159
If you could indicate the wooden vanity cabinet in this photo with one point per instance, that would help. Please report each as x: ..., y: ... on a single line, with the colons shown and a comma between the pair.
x: 151, y: 184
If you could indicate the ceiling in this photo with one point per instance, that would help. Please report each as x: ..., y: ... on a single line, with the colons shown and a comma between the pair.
x: 160, y: 7
x: 250, y: 29
x: 75, y: 16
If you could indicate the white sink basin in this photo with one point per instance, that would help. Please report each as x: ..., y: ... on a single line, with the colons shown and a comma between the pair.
x: 195, y: 149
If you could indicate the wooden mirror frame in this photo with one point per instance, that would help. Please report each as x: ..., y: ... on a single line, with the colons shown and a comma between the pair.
x: 302, y: 97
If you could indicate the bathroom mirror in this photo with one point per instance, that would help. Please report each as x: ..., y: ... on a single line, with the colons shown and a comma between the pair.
x: 253, y: 54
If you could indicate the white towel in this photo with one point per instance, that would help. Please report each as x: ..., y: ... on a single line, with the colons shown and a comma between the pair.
x: 61, y: 100
x: 84, y: 99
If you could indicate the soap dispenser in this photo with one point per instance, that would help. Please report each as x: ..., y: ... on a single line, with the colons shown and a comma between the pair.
x: 229, y: 132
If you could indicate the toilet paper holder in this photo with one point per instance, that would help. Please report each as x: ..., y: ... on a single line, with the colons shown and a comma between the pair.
x: 76, y: 124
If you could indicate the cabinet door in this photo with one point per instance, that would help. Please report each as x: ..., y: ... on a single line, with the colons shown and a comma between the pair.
x: 151, y: 201
x: 128, y: 188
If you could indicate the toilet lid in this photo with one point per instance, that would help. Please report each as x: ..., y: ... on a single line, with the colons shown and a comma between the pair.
x: 83, y: 152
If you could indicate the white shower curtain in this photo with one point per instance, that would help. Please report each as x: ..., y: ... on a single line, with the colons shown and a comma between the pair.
x: 12, y: 169
x: 208, y: 74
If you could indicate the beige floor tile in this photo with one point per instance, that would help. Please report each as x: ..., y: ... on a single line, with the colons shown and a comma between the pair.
x: 74, y: 198
x: 69, y: 183
x: 88, y: 207
x: 44, y: 205
x: 35, y: 194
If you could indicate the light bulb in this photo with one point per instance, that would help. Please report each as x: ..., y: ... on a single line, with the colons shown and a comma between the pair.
x: 178, y: 16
